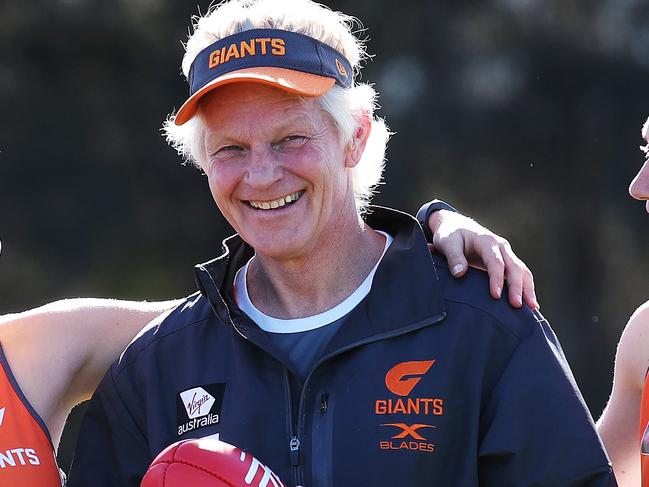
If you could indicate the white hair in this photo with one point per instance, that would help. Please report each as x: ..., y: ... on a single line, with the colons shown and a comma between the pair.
x: 346, y: 106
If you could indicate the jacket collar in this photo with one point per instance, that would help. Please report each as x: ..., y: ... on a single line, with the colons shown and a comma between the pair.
x: 405, y: 292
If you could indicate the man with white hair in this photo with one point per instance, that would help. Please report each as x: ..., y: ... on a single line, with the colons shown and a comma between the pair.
x: 325, y: 340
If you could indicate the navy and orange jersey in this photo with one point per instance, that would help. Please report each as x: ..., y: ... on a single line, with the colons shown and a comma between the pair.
x: 429, y: 381
x: 26, y: 453
x: 644, y: 432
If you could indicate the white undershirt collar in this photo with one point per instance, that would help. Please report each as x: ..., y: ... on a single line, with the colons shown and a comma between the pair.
x: 277, y: 325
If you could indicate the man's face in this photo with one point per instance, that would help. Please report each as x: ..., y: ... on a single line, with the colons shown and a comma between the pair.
x: 276, y: 168
x: 639, y: 188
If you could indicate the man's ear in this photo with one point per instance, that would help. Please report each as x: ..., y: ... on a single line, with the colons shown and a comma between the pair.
x: 356, y: 146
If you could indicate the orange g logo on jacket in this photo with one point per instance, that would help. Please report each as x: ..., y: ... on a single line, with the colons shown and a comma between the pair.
x: 401, y: 380
x: 396, y: 380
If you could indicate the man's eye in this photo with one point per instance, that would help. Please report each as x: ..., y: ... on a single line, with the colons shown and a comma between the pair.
x: 228, y: 148
x: 225, y: 152
x: 290, y: 142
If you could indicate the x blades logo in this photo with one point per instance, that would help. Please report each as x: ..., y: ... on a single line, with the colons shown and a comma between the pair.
x: 409, y: 430
x: 416, y: 443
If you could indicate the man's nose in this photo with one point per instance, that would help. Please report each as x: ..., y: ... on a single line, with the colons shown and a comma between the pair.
x: 639, y: 187
x: 263, y: 168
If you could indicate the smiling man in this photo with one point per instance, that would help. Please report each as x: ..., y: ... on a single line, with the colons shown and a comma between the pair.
x: 325, y: 340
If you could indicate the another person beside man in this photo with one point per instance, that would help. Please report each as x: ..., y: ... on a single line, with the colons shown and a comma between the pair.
x: 325, y: 340
x: 624, y: 425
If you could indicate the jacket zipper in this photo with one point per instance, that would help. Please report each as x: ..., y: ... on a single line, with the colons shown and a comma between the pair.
x: 294, y: 442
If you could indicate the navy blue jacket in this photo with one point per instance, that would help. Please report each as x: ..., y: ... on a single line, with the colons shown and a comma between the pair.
x: 429, y: 382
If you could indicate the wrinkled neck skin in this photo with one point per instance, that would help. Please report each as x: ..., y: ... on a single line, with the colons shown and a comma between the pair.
x: 320, y: 279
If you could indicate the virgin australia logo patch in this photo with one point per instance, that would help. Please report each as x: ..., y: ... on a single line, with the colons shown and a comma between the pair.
x: 197, y: 402
x: 199, y: 407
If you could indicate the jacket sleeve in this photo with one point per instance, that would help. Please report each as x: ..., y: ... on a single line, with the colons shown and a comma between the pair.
x: 535, y: 428
x: 111, y: 450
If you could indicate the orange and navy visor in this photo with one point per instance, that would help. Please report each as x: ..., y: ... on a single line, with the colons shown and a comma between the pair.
x: 287, y: 60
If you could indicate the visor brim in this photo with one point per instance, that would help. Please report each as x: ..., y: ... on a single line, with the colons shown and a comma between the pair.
x: 291, y: 81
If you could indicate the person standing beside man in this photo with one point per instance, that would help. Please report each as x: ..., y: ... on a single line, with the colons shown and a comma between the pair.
x: 325, y: 340
x: 624, y: 424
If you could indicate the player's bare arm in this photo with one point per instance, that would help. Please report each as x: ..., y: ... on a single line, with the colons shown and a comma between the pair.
x: 619, y: 423
x: 59, y: 352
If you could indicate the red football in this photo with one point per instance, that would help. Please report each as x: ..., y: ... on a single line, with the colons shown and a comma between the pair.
x: 207, y: 462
